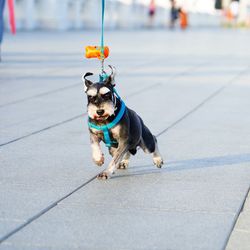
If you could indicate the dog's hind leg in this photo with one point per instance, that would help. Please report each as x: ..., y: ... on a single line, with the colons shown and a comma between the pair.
x: 157, y: 159
x: 149, y: 145
x: 125, y: 161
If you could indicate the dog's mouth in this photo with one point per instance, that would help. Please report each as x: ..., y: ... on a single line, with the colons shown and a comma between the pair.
x: 101, y: 117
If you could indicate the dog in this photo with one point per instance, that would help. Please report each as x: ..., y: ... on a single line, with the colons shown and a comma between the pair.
x: 125, y: 136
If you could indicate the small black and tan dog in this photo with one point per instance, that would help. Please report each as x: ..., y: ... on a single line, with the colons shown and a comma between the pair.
x: 119, y: 127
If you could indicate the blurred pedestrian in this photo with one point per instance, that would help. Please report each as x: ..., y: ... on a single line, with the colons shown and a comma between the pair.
x: 12, y: 16
x: 11, y: 20
x: 2, y: 3
x: 218, y: 4
x: 183, y: 18
x: 234, y: 9
x: 173, y: 13
x: 151, y: 12
x: 231, y: 13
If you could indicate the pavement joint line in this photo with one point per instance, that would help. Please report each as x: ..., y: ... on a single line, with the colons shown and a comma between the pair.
x: 45, y: 210
x: 183, y: 73
x: 28, y: 120
x: 128, y: 96
x: 68, y: 120
x: 242, y: 231
x: 78, y: 116
x: 210, y: 97
x: 28, y: 76
x: 218, y: 91
x: 39, y: 95
x: 42, y: 130
x: 54, y: 204
x: 236, y: 217
x: 32, y: 76
x: 162, y: 209
x: 76, y: 84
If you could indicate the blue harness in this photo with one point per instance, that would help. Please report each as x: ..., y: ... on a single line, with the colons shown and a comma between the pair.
x: 105, y: 128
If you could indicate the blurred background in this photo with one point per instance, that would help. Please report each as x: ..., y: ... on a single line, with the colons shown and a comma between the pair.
x: 85, y: 14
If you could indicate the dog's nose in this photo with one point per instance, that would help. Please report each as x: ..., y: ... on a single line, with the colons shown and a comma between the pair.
x: 100, y: 111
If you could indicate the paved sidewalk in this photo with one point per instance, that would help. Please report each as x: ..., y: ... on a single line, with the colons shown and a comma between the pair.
x: 239, y: 239
x: 192, y: 89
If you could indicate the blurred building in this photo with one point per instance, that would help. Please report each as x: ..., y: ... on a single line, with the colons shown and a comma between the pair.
x: 79, y: 14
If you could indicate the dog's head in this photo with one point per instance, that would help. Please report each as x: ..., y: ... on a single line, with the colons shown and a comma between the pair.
x: 101, y: 97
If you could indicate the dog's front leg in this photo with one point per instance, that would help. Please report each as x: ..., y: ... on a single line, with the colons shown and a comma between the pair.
x: 117, y: 157
x: 97, y: 154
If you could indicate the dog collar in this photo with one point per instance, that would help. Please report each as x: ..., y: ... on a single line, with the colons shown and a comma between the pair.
x: 105, y: 128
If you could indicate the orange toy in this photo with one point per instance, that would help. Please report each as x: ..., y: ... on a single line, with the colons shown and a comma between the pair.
x: 96, y: 52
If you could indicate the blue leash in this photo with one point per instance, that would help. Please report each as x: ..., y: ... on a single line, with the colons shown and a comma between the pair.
x: 105, y: 128
x: 103, y: 75
x: 102, y: 33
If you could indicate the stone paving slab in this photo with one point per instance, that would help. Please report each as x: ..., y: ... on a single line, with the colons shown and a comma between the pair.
x: 240, y: 236
x: 50, y: 147
x: 123, y: 228
x: 52, y: 144
x: 207, y: 191
x: 192, y: 203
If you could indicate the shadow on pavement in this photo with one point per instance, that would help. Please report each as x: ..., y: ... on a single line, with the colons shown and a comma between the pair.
x: 187, y: 165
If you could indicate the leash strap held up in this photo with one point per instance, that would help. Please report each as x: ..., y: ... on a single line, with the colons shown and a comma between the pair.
x: 103, y: 74
x: 102, y: 32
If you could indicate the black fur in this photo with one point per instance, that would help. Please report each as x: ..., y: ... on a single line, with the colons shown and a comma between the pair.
x: 129, y: 134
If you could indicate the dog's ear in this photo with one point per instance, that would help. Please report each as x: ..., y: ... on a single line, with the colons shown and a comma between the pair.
x: 87, y: 82
x: 111, y: 79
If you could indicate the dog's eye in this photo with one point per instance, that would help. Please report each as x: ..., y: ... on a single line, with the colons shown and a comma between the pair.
x: 106, y: 96
x: 91, y: 98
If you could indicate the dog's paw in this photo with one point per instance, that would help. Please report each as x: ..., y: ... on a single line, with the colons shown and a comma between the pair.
x: 123, y: 164
x: 99, y: 161
x: 158, y: 161
x: 103, y: 176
